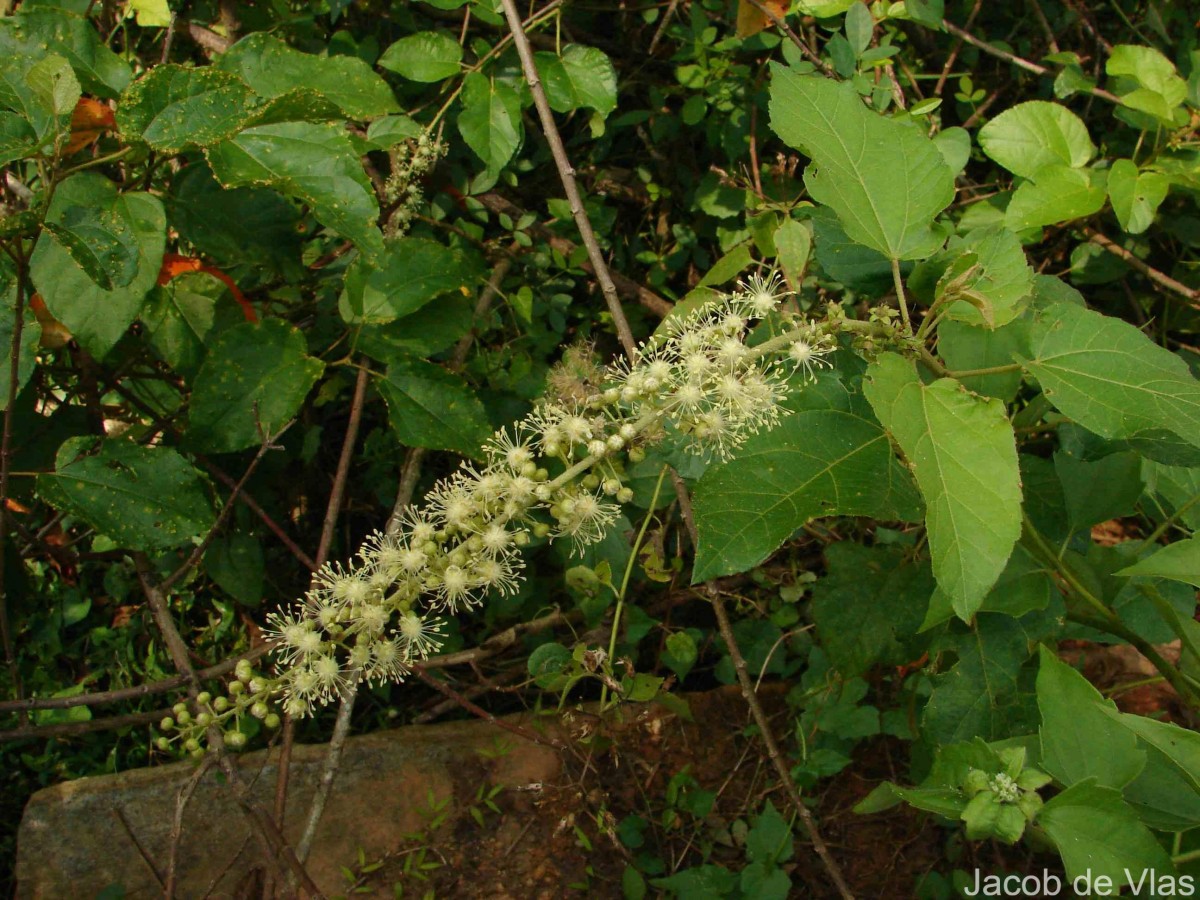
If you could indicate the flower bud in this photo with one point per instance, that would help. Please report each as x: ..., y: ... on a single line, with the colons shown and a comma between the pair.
x: 624, y: 495
x: 236, y: 740
x: 259, y: 710
x: 636, y: 454
x: 235, y: 688
x: 221, y: 704
x: 191, y: 745
x: 203, y: 698
x: 204, y: 720
x: 162, y: 744
x: 166, y: 724
x: 179, y: 708
x: 271, y: 721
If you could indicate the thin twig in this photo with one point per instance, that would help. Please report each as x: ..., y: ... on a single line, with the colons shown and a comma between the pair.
x: 181, y: 801
x: 802, y: 45
x: 14, y: 371
x: 566, y: 174
x: 137, y: 845
x: 1190, y: 295
x: 100, y: 698
x: 953, y: 57
x: 71, y: 729
x: 338, y: 492
x: 760, y: 717
x: 474, y: 709
x: 1018, y: 61
x: 268, y: 443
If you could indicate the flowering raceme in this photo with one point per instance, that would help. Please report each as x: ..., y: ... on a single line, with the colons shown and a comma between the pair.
x: 557, y: 474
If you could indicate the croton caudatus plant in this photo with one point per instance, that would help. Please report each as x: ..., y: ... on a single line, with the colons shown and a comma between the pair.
x: 939, y: 355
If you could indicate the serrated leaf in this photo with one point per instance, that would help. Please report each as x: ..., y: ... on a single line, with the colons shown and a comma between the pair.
x: 151, y: 13
x: 1135, y: 195
x: 1074, y: 726
x: 592, y: 77
x: 814, y: 463
x: 411, y: 272
x: 95, y: 316
x: 144, y: 498
x: 1099, y: 834
x: 964, y: 347
x: 885, y: 180
x: 994, y: 285
x: 1111, y: 378
x: 31, y: 333
x: 17, y: 137
x: 427, y: 56
x: 430, y: 407
x: 1030, y: 136
x: 963, y: 453
x: 273, y: 70
x: 1057, y: 194
x: 313, y: 162
x: 175, y: 108
x: 490, y: 121
x: 253, y: 380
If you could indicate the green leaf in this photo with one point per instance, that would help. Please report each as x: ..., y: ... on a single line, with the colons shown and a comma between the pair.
x: 982, y: 695
x: 681, y: 653
x: 707, y: 882
x: 177, y: 108
x: 942, y: 801
x: 100, y: 71
x: 178, y: 318
x: 870, y: 600
x: 1161, y: 90
x: 1075, y: 726
x: 793, y: 246
x: 1110, y: 378
x: 994, y: 282
x: 592, y: 77
x: 1180, y: 745
x: 490, y: 121
x: 1170, y: 488
x: 17, y: 137
x: 814, y: 463
x: 1098, y: 834
x: 885, y: 180
x: 251, y: 226
x: 1135, y: 195
x: 427, y: 56
x: 272, y: 69
x: 53, y: 85
x: 965, y: 347
x: 95, y: 316
x: 857, y: 267
x: 151, y: 13
x: 963, y: 453
x: 1179, y: 561
x: 1162, y: 794
x: 315, y: 163
x: 144, y: 498
x: 770, y: 840
x: 101, y: 242
x: 235, y: 562
x: 411, y: 272
x: 254, y: 379
x: 1120, y: 473
x: 430, y: 407
x: 1058, y: 194
x: 1030, y: 136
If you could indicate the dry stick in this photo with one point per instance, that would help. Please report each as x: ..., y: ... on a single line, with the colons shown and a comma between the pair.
x: 117, y: 695
x: 140, y: 847
x: 5, y: 461
x: 760, y: 717
x: 1190, y: 295
x: 70, y: 729
x: 181, y: 801
x: 1045, y: 23
x: 480, y: 712
x: 1018, y: 61
x: 274, y: 843
x: 341, y: 728
x: 566, y: 174
x: 805, y: 50
x: 662, y: 26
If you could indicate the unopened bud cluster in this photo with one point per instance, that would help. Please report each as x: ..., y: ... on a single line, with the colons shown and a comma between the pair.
x: 559, y: 473
x: 410, y: 162
x: 248, y: 695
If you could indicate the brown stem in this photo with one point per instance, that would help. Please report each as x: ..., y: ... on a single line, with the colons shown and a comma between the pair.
x: 760, y: 717
x: 333, y: 758
x: 802, y: 45
x: 1017, y: 61
x: 275, y: 845
x: 14, y: 364
x: 950, y: 60
x: 117, y: 695
x: 338, y: 492
x: 566, y: 174
x: 474, y: 709
x: 1190, y: 295
x: 70, y: 729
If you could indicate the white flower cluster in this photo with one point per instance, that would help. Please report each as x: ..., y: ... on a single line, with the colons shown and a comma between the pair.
x: 560, y: 473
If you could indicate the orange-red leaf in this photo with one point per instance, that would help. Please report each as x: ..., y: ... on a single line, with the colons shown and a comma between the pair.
x: 751, y: 20
x: 90, y: 119
x: 174, y: 264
